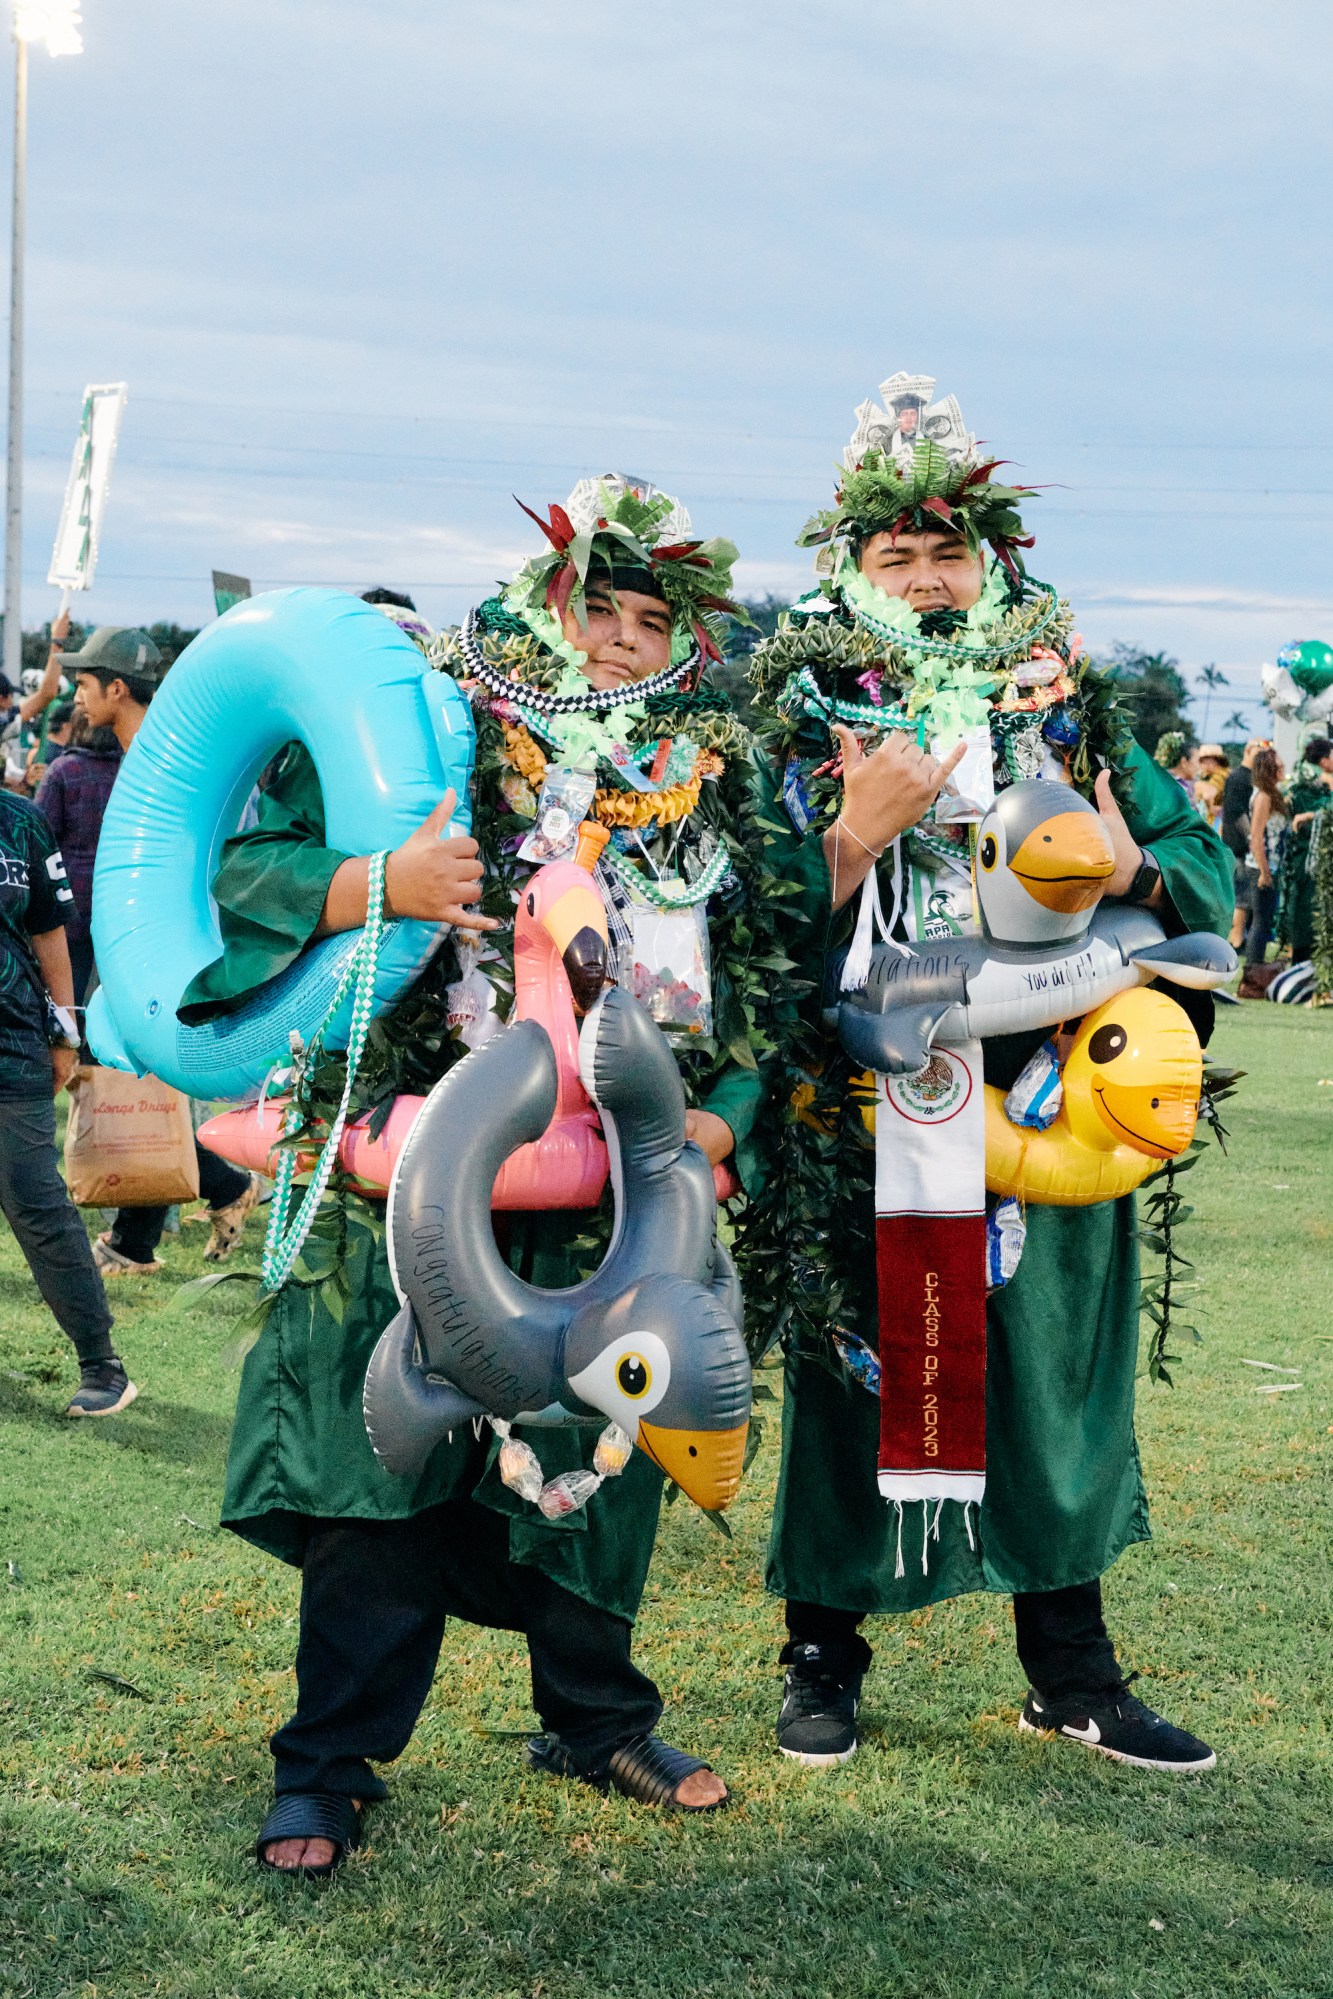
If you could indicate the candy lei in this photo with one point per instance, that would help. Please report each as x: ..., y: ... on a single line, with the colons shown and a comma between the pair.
x: 284, y: 1243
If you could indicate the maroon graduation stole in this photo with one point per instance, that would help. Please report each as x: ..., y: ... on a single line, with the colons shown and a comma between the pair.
x: 930, y: 1230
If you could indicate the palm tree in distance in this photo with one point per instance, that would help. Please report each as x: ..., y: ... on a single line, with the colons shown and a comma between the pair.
x: 1212, y: 678
x: 1236, y: 724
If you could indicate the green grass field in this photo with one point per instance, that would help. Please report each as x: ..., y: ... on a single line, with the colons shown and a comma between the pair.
x: 951, y: 1857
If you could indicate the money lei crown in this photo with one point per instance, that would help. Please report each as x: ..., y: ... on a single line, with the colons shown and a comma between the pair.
x: 914, y: 466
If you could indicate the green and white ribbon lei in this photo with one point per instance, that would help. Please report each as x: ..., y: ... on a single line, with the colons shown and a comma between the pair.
x: 284, y: 1243
x: 814, y: 701
x: 684, y: 897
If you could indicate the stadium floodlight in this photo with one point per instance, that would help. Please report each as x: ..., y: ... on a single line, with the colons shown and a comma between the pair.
x: 57, y: 23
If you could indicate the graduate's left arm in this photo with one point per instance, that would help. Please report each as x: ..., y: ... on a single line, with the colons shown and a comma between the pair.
x: 1197, y: 889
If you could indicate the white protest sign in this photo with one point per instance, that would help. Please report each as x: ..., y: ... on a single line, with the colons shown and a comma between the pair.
x: 74, y: 558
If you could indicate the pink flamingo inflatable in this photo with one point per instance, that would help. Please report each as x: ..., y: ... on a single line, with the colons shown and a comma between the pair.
x: 561, y: 963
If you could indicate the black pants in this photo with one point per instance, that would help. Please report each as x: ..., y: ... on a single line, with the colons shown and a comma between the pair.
x: 81, y: 964
x: 137, y: 1232
x: 1062, y: 1640
x: 374, y: 1599
x: 1259, y: 930
x: 35, y: 1202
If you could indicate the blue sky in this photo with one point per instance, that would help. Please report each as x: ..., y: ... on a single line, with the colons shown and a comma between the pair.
x: 369, y: 270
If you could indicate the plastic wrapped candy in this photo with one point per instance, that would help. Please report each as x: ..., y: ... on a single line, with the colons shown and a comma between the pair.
x: 613, y: 1453
x: 567, y: 1493
x: 565, y: 798
x: 969, y: 793
x: 860, y: 1361
x: 1060, y: 728
x: 1006, y: 1232
x: 521, y: 1471
x: 1036, y: 1097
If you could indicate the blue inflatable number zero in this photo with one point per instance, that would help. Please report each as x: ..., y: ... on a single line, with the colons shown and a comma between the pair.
x: 388, y: 735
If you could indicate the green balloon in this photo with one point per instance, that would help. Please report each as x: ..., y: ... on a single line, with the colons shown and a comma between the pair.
x: 1310, y: 664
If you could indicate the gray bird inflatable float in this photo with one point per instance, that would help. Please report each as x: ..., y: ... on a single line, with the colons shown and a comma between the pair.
x: 652, y: 1340
x: 1049, y: 949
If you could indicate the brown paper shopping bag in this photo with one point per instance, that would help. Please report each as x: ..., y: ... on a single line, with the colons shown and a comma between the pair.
x: 129, y: 1142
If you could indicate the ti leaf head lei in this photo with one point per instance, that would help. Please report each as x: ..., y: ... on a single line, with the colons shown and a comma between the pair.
x: 913, y: 467
x: 635, y: 538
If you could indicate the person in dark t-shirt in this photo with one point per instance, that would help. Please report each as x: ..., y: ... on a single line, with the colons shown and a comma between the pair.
x: 39, y: 1042
x: 1235, y: 830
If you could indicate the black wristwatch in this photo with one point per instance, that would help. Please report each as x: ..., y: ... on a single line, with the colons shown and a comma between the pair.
x: 1145, y: 880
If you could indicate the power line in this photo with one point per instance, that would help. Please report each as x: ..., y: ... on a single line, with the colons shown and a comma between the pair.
x: 1133, y: 443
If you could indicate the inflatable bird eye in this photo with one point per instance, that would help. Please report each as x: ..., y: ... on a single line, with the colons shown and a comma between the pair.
x: 634, y: 1376
x: 988, y: 852
x: 634, y: 1371
x: 1107, y: 1043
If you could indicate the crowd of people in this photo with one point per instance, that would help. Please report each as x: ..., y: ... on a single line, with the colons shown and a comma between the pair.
x: 876, y: 743
x: 1266, y: 816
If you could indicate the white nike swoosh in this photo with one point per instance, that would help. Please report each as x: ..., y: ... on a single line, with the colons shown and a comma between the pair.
x: 1089, y: 1734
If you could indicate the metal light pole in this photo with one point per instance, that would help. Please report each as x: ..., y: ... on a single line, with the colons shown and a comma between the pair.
x: 55, y: 22
x: 13, y: 646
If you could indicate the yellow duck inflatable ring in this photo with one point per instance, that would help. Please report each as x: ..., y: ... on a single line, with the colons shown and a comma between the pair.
x: 1131, y: 1099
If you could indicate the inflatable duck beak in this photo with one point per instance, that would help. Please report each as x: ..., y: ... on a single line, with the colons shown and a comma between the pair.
x: 576, y: 925
x: 1065, y: 861
x: 706, y: 1464
x: 1156, y: 1118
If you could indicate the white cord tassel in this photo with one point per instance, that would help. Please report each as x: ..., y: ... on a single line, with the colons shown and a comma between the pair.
x: 869, y: 921
x: 899, y: 1570
x: 967, y: 1522
x: 925, y: 1537
x: 857, y: 968
x: 935, y: 1523
x: 897, y: 909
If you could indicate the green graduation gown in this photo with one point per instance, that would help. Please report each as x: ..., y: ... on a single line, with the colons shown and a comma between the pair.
x: 1295, y: 925
x: 299, y: 1450
x: 1064, y: 1493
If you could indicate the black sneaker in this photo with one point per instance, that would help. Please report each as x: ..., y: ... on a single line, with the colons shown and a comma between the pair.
x: 103, y: 1389
x: 817, y: 1724
x: 1121, y: 1727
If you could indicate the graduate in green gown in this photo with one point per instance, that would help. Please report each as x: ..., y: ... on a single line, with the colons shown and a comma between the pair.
x: 551, y: 666
x: 1309, y: 790
x: 924, y: 627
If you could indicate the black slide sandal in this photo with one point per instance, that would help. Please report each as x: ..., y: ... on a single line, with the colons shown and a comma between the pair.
x: 310, y: 1815
x: 648, y: 1770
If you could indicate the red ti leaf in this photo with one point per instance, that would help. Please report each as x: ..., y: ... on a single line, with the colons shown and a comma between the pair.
x: 560, y: 589
x: 552, y: 534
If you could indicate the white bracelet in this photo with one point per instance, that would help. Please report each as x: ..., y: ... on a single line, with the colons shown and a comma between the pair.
x: 875, y: 855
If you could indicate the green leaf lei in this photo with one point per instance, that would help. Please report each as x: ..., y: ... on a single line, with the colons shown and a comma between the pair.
x: 805, y: 1245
